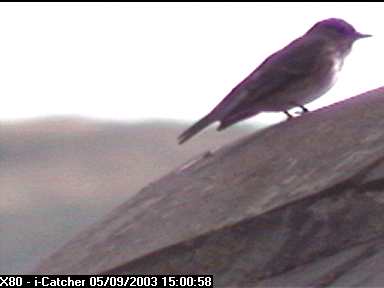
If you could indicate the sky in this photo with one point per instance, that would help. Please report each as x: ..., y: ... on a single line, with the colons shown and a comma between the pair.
x: 132, y: 61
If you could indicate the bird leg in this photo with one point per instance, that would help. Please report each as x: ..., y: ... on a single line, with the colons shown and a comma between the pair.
x: 289, y: 115
x: 303, y: 108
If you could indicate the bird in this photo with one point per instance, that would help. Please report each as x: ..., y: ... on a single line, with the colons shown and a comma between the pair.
x: 297, y: 74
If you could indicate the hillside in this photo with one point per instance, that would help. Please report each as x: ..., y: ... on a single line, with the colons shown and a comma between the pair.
x: 58, y: 175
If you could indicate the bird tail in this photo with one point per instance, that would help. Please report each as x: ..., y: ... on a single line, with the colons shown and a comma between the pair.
x: 236, y: 117
x: 196, y: 128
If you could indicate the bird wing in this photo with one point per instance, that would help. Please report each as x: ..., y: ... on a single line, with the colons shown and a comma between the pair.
x: 294, y: 63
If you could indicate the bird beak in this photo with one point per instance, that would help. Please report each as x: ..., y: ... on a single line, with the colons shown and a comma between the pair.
x: 360, y: 35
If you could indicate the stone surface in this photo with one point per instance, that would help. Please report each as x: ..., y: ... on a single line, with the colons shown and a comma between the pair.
x: 55, y: 173
x: 297, y: 204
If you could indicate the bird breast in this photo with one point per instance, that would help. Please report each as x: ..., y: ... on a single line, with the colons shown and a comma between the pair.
x: 337, y: 65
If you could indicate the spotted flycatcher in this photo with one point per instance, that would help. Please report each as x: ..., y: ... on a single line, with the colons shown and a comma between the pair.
x: 292, y: 77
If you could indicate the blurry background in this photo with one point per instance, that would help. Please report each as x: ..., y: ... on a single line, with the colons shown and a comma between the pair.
x: 93, y: 96
x: 58, y: 175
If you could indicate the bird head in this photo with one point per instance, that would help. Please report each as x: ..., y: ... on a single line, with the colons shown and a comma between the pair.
x: 338, y: 31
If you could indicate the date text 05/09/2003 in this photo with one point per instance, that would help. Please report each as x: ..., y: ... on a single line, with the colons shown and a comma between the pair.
x: 198, y: 281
